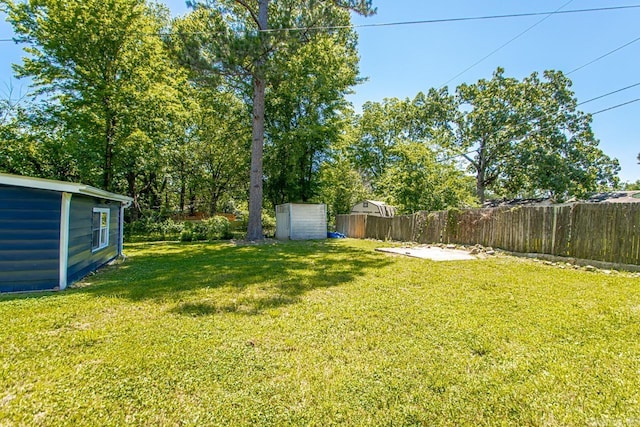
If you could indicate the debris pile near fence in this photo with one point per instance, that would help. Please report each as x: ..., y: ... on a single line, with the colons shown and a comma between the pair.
x: 608, y: 232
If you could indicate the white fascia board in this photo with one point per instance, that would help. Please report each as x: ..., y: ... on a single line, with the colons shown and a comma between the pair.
x: 96, y: 192
x: 63, y: 187
x: 39, y: 183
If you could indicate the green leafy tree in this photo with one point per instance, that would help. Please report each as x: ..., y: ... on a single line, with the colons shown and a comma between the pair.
x: 384, y: 125
x: 488, y: 127
x: 108, y: 77
x: 341, y: 185
x: 10, y: 152
x: 380, y: 127
x: 397, y: 152
x: 527, y: 138
x: 221, y: 149
x: 632, y: 186
x: 418, y: 181
x: 34, y: 143
x: 305, y: 104
x: 244, y: 42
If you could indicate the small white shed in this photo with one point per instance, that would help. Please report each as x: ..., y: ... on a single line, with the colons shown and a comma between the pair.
x: 298, y: 221
x: 374, y: 208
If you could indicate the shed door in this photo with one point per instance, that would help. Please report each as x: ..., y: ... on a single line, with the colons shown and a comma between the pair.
x: 283, y: 224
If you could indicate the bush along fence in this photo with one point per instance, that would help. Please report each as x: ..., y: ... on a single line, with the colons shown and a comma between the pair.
x: 607, y: 232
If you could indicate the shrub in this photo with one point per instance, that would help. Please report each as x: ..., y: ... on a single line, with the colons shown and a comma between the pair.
x: 215, y: 228
x: 268, y: 223
x: 148, y: 229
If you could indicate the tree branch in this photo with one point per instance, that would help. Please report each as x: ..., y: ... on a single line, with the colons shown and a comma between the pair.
x: 469, y: 159
x: 244, y: 4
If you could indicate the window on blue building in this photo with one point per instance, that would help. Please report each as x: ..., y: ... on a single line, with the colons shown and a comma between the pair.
x: 100, y: 229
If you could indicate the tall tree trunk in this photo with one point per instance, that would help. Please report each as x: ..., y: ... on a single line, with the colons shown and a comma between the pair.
x: 480, y: 185
x: 254, y: 229
x: 183, y: 193
x: 213, y: 205
x: 192, y: 203
x: 481, y: 169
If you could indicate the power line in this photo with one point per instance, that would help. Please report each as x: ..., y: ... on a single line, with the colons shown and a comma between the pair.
x: 603, y: 56
x: 609, y: 93
x: 616, y: 106
x: 506, y: 44
x: 549, y: 126
x: 460, y: 19
x: 432, y: 21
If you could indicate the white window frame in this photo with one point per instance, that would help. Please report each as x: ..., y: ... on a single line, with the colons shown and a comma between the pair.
x: 103, y: 230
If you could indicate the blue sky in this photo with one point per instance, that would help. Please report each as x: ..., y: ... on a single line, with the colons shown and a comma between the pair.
x: 400, y: 61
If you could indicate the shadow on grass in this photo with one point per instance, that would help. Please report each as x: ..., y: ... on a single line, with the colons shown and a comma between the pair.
x: 209, y: 278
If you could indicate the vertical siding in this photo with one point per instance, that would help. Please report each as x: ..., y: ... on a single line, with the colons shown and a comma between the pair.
x: 353, y: 225
x: 378, y: 228
x: 82, y: 260
x: 608, y: 232
x: 29, y: 239
x: 283, y: 228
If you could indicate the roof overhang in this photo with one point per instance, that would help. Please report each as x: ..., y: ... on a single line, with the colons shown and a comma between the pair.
x: 62, y: 186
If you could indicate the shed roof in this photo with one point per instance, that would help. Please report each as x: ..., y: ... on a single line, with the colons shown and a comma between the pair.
x: 61, y: 186
x: 375, y: 202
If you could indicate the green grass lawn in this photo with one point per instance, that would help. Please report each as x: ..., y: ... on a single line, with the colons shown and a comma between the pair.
x: 322, y: 333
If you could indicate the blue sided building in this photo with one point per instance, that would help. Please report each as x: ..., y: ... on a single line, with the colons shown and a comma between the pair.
x: 53, y: 233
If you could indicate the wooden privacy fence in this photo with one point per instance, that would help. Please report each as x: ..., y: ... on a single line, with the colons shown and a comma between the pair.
x: 608, y: 232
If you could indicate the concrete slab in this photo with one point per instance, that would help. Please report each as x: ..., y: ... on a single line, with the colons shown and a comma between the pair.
x: 432, y: 253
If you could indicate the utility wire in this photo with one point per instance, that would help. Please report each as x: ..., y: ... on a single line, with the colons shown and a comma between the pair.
x: 609, y: 93
x: 432, y: 21
x: 548, y: 126
x: 603, y: 56
x: 506, y: 44
x: 616, y: 106
x: 461, y: 19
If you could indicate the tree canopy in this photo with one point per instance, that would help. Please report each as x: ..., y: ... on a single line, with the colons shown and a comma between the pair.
x: 248, y: 43
x: 240, y: 102
x: 527, y: 138
x: 107, y: 82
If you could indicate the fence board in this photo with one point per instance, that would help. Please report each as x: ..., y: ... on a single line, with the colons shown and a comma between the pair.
x: 608, y: 232
x: 378, y: 228
x: 428, y: 226
x: 352, y: 225
x: 402, y: 228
